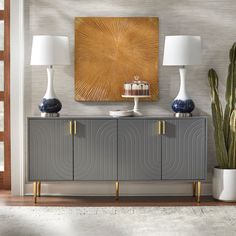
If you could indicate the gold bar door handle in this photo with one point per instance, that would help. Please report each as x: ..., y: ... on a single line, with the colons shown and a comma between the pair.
x: 75, y: 127
x: 163, y: 127
x: 71, y: 127
x: 159, y: 127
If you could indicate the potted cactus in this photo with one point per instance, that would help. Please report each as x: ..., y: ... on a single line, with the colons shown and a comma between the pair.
x: 224, y: 176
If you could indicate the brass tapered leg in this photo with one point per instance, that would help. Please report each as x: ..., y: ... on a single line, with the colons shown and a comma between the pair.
x: 198, y: 191
x: 117, y: 190
x: 35, y: 192
x: 38, y: 189
x: 194, y: 189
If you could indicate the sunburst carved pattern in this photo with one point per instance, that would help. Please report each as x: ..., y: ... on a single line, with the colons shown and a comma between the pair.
x: 109, y: 51
x: 50, y: 158
x: 183, y: 151
x: 139, y: 154
x: 95, y: 150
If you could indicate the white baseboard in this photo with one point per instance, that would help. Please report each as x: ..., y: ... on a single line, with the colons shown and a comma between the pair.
x: 126, y: 189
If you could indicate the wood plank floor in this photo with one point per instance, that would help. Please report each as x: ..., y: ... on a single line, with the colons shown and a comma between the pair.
x: 7, y: 200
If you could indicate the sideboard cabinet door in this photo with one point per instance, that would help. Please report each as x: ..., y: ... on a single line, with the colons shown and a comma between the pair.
x: 139, y: 153
x: 50, y: 150
x: 95, y: 150
x: 184, y: 149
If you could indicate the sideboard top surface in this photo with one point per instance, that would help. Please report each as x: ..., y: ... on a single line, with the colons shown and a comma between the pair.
x: 114, y: 118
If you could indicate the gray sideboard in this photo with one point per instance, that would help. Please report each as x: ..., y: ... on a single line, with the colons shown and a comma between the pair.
x: 95, y: 150
x: 139, y: 150
x: 50, y: 150
x: 117, y: 149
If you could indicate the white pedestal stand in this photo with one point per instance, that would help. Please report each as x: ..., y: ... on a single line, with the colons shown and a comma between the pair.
x: 136, y: 102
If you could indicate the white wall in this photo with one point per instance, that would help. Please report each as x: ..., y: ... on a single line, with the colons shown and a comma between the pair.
x: 17, y: 98
x: 213, y: 20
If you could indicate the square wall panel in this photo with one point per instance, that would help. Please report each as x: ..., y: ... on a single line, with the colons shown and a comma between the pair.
x: 1, y: 76
x: 1, y: 35
x: 110, y: 51
x: 1, y: 156
x: 1, y: 116
x: 1, y: 4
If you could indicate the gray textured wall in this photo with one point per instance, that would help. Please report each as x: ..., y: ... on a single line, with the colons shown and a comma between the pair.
x: 213, y: 20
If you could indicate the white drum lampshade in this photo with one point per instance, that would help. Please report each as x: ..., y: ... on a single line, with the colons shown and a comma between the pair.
x: 182, y: 50
x: 48, y: 50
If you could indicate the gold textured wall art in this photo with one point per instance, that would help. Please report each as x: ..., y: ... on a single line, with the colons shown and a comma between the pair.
x: 110, y: 51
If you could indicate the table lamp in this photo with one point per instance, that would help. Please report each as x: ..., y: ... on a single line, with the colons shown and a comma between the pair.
x: 48, y: 51
x: 182, y: 51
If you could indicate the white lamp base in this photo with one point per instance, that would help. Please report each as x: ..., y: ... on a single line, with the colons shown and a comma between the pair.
x: 50, y: 104
x: 182, y: 105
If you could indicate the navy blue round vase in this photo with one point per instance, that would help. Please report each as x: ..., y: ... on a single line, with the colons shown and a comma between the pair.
x: 51, y: 105
x: 183, y: 106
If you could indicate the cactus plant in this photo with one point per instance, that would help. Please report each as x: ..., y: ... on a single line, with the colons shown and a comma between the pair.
x: 225, y: 124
